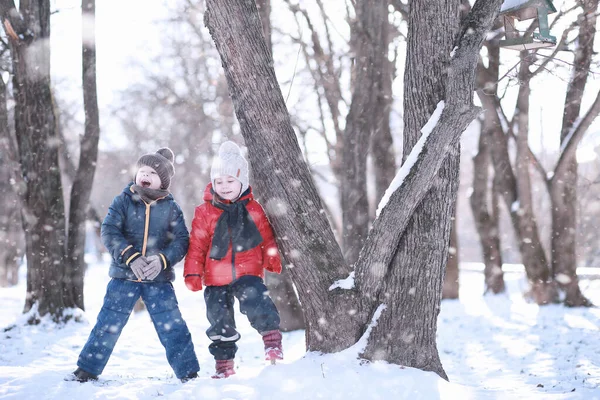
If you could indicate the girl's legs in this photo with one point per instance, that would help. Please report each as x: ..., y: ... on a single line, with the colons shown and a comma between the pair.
x: 222, y: 331
x: 255, y: 303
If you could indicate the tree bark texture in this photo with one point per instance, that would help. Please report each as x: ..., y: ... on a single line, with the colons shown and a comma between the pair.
x: 35, y: 125
x: 264, y: 9
x: 88, y: 155
x: 366, y: 115
x: 563, y: 190
x: 450, y: 287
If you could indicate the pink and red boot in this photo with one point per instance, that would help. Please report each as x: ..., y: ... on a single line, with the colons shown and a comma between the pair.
x: 273, y: 349
x: 224, y: 369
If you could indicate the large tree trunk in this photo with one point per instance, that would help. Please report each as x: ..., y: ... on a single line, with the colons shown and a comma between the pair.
x: 337, y: 316
x: 35, y: 125
x: 88, y: 154
x: 563, y: 190
x: 366, y: 115
x: 418, y: 266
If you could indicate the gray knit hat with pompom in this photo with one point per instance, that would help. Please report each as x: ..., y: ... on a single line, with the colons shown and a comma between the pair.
x: 162, y: 162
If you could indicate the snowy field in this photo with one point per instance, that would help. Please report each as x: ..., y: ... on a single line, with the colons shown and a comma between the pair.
x: 491, y: 348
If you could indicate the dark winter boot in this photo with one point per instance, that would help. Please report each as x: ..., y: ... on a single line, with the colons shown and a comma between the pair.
x: 273, y: 349
x: 224, y: 369
x: 80, y: 375
x: 189, y: 377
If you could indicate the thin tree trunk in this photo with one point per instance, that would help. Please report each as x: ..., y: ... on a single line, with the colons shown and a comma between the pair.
x: 563, y: 191
x: 382, y: 144
x: 88, y: 155
x: 486, y: 215
x: 543, y: 291
x: 11, y: 232
x: 365, y: 116
x: 484, y: 199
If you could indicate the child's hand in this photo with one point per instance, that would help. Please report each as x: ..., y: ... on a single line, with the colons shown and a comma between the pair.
x: 137, y: 266
x: 193, y: 282
x: 153, y: 268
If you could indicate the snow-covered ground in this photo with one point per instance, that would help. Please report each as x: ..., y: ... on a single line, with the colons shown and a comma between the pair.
x: 491, y: 347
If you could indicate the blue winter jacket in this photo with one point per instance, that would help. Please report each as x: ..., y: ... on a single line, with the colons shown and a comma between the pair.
x: 133, y: 228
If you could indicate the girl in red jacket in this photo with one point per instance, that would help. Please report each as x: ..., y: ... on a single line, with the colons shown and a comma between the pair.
x: 231, y: 244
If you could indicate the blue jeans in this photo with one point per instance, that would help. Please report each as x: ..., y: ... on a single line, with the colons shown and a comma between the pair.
x: 255, y: 303
x: 160, y: 300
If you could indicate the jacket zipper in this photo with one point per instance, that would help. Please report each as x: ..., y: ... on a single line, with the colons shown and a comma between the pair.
x: 147, y: 223
x: 146, y: 228
x: 232, y: 256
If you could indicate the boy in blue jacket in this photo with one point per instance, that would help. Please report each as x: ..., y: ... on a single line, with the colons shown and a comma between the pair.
x: 145, y: 233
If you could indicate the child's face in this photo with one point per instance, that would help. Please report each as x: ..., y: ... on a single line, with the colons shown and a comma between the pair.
x: 147, y: 177
x: 228, y: 187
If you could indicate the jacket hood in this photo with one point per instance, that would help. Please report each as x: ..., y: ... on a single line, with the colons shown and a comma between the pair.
x: 208, y: 194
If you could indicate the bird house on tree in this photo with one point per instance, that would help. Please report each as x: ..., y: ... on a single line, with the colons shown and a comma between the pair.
x: 521, y: 10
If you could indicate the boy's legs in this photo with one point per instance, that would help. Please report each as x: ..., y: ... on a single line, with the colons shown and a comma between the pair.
x: 255, y: 303
x: 172, y: 330
x: 220, y: 313
x: 119, y: 300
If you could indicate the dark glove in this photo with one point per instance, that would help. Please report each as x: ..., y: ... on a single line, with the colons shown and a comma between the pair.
x: 137, y: 266
x: 193, y: 282
x: 153, y: 268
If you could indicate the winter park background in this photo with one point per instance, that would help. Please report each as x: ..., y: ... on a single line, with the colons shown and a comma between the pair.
x: 157, y: 69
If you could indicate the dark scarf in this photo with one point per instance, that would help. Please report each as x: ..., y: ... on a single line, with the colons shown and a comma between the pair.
x: 235, y: 225
x: 149, y: 195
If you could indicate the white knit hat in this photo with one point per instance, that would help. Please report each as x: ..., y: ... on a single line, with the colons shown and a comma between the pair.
x: 230, y: 161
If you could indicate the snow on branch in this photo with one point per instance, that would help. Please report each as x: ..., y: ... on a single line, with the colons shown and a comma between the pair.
x: 412, y: 157
x: 346, y: 283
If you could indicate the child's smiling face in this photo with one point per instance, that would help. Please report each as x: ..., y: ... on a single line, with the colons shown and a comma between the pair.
x: 147, y: 177
x: 227, y: 187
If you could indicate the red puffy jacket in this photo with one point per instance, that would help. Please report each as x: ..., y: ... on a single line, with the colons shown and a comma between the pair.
x: 223, y: 272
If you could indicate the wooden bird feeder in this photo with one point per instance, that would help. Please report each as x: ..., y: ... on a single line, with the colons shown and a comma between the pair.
x: 521, y: 10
